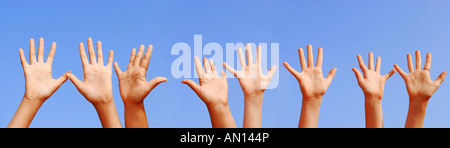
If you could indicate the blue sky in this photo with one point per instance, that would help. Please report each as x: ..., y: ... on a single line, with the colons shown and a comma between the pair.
x: 390, y: 29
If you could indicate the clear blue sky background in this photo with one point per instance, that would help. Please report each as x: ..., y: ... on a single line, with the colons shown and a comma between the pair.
x: 391, y: 29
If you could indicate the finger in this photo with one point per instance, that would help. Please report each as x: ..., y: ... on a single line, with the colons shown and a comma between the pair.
x: 258, y: 55
x: 371, y: 67
x: 206, y: 66
x: 83, y: 56
x: 331, y: 74
x: 378, y: 66
x: 230, y: 69
x: 410, y: 63
x: 132, y: 57
x: 51, y: 54
x: 198, y: 67
x: 310, y: 56
x: 110, y: 58
x: 427, y: 62
x: 194, y: 86
x: 319, y: 57
x: 290, y: 69
x: 272, y: 71
x: 23, y: 60
x: 441, y: 78
x: 155, y: 81
x: 62, y: 79
x: 249, y: 54
x: 74, y: 80
x: 140, y: 53
x: 99, y: 53
x: 91, y: 51
x: 148, y: 54
x: 241, y: 58
x: 390, y: 73
x: 213, y: 67
x: 117, y: 68
x: 301, y: 55
x: 32, y: 52
x: 361, y: 64
x: 418, y: 60
x: 40, y: 57
x: 224, y: 75
x: 400, y: 71
x: 358, y: 74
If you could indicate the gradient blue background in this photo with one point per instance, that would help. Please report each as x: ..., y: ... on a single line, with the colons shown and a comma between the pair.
x: 391, y: 29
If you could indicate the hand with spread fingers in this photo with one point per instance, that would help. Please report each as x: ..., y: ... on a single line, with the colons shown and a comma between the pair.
x: 97, y: 84
x: 420, y: 88
x: 253, y: 83
x: 39, y: 83
x: 372, y: 84
x: 213, y: 90
x: 312, y: 85
x: 134, y: 87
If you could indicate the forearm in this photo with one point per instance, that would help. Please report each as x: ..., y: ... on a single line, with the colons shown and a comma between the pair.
x: 221, y: 116
x: 25, y: 113
x: 135, y: 116
x: 374, y: 114
x: 253, y: 111
x: 107, y: 114
x: 416, y: 114
x: 309, y: 116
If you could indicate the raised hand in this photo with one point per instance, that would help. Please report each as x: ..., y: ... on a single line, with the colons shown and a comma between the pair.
x: 372, y: 84
x: 39, y: 83
x: 97, y: 84
x: 253, y: 83
x: 213, y: 90
x: 420, y: 88
x: 134, y: 87
x: 312, y: 85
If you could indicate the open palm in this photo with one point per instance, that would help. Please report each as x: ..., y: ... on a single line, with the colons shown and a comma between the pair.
x: 133, y: 82
x: 39, y: 82
x: 311, y: 80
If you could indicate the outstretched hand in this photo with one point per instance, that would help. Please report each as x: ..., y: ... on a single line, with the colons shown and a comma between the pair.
x: 39, y: 83
x: 97, y: 84
x: 420, y: 88
x: 312, y: 85
x: 213, y: 90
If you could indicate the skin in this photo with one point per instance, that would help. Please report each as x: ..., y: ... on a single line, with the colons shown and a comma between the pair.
x: 312, y: 85
x: 372, y: 84
x: 39, y: 84
x: 253, y: 83
x: 134, y: 87
x: 213, y: 91
x: 97, y: 84
x: 420, y: 88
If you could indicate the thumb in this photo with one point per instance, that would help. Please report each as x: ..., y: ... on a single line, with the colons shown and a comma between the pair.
x: 63, y: 78
x: 194, y: 86
x: 74, y: 79
x: 441, y: 78
x: 155, y: 81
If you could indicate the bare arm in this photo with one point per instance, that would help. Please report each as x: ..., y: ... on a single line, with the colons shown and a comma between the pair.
x: 97, y: 84
x: 312, y: 85
x: 372, y: 84
x: 420, y: 88
x: 39, y: 84
x: 134, y: 87
x: 253, y: 83
x: 213, y: 90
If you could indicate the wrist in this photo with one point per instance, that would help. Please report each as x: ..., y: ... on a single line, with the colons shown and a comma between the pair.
x: 372, y: 100
x: 33, y: 101
x: 313, y: 102
x: 253, y: 99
